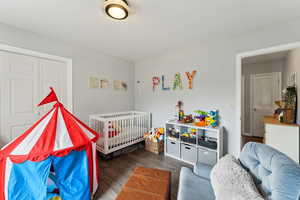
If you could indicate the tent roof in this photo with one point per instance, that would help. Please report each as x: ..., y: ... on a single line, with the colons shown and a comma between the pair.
x: 57, y: 133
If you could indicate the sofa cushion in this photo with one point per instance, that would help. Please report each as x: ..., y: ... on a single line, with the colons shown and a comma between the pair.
x: 231, y: 181
x: 276, y: 175
x: 203, y: 170
x: 193, y: 187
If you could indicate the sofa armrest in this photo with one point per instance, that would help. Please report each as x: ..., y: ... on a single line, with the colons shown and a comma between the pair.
x: 203, y: 170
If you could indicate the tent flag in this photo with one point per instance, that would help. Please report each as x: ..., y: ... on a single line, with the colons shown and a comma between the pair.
x: 50, y: 98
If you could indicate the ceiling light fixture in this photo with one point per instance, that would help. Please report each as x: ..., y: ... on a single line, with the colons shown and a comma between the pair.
x: 116, y: 9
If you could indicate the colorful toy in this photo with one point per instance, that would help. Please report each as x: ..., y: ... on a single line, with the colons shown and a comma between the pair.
x: 187, y: 119
x: 200, y: 118
x: 207, y: 118
x: 193, y: 132
x: 180, y: 110
x: 155, y: 135
x: 113, y: 130
x: 201, y: 113
x: 173, y: 133
x: 214, y: 118
x: 189, y: 136
x: 186, y: 135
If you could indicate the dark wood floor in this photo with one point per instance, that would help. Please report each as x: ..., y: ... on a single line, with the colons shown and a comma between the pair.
x: 115, y: 172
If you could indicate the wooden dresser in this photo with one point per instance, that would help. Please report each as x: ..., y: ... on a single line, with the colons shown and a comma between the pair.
x: 282, y: 136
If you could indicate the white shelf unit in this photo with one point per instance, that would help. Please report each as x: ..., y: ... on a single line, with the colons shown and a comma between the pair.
x: 193, y: 153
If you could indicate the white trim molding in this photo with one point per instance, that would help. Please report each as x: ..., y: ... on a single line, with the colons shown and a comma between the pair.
x: 239, y: 57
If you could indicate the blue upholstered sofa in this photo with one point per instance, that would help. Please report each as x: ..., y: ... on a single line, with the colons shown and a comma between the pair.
x: 275, y: 175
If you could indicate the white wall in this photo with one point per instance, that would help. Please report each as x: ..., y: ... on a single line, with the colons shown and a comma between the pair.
x: 257, y: 68
x: 293, y: 65
x: 86, y: 62
x: 215, y: 83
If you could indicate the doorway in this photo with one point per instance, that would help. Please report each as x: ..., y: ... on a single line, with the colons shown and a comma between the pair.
x: 261, y: 88
x: 256, y: 71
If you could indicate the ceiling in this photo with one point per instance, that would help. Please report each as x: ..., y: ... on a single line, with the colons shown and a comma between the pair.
x: 266, y: 57
x: 154, y: 26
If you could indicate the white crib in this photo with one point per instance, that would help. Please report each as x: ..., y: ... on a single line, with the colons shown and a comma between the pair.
x: 119, y: 130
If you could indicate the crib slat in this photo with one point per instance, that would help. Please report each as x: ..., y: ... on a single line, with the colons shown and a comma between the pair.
x: 121, y: 133
x: 131, y: 129
x: 140, y: 126
x: 124, y: 131
x: 111, y: 139
x: 116, y: 131
x: 114, y: 138
x: 143, y: 126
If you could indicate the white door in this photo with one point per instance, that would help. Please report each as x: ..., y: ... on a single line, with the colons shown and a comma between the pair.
x: 53, y: 74
x: 19, y: 94
x: 24, y: 82
x: 265, y: 89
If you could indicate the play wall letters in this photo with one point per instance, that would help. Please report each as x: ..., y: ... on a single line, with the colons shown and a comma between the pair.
x: 176, y: 82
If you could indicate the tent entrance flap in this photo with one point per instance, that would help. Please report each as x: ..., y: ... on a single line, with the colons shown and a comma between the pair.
x: 28, y: 180
x: 72, y: 176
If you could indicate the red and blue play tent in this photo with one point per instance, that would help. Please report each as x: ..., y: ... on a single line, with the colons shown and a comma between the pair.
x: 59, y: 146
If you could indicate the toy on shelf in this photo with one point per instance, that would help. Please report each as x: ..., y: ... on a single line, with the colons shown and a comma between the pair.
x: 190, y: 136
x: 179, y: 109
x: 173, y: 133
x: 187, y: 119
x: 213, y: 118
x: 207, y: 118
x: 200, y: 118
x: 193, y: 131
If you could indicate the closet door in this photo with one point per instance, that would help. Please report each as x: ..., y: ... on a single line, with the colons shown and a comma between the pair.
x: 24, y: 82
x: 53, y: 74
x: 19, y: 94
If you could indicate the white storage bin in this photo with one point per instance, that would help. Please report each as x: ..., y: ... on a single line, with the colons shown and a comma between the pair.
x: 173, y: 148
x: 188, y: 153
x: 207, y: 156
